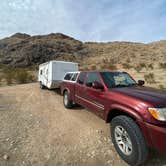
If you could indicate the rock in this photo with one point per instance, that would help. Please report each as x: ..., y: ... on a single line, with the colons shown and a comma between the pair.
x: 7, y: 139
x: 6, y: 157
x: 93, y: 152
x: 105, y: 139
x: 12, y: 143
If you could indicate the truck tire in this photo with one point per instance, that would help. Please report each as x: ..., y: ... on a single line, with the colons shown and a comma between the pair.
x: 66, y: 101
x: 41, y: 86
x: 128, y: 140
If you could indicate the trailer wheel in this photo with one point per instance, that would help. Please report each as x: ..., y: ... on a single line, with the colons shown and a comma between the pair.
x: 128, y: 140
x: 66, y: 101
x: 41, y: 85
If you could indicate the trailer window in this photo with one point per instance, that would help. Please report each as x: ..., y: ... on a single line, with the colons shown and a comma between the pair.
x: 41, y: 72
x: 68, y: 76
x: 74, y: 77
x: 81, y: 78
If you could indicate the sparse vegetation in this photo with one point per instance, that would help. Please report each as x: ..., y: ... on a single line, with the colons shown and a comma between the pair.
x: 150, y: 66
x: 162, y: 65
x: 149, y: 78
x: 22, y: 76
x: 128, y: 60
x: 126, y: 66
x: 161, y: 86
x: 112, y: 67
x: 93, y: 67
x: 138, y: 68
x: 142, y: 65
x: 17, y: 76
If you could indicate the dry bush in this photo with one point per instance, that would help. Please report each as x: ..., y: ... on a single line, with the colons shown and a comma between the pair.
x: 108, y: 67
x: 138, y: 68
x: 142, y: 65
x: 18, y: 75
x: 161, y: 86
x: 93, y: 67
x: 149, y: 78
x: 112, y: 67
x: 162, y: 65
x: 8, y: 77
x: 150, y: 66
x: 23, y: 76
x: 84, y: 69
x: 126, y: 66
x: 128, y: 60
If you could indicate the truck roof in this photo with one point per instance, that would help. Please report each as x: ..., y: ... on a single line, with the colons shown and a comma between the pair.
x: 104, y: 71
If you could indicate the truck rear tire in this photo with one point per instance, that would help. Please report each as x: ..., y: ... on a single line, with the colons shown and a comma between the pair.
x: 66, y: 101
x: 128, y: 140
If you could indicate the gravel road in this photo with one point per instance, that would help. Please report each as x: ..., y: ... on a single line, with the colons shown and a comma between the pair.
x: 36, y: 130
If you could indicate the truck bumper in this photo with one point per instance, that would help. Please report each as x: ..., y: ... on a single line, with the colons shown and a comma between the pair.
x: 158, y: 136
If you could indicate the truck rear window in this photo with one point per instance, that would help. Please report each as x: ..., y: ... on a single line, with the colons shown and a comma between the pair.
x: 68, y: 76
x: 74, y: 77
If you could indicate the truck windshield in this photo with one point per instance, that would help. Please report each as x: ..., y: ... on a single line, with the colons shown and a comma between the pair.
x: 117, y: 79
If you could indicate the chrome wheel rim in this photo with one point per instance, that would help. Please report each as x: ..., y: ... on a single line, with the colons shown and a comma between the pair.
x: 65, y: 99
x: 123, y: 140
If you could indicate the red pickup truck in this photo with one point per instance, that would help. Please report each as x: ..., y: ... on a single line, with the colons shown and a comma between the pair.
x: 137, y: 113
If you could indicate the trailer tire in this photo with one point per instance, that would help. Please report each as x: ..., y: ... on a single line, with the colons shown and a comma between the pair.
x: 66, y: 101
x: 128, y: 140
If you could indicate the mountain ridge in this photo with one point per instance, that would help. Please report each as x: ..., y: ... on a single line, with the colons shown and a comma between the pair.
x: 23, y: 50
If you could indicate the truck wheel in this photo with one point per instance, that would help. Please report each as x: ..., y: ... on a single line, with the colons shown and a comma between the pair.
x: 66, y: 101
x: 41, y: 85
x: 128, y: 140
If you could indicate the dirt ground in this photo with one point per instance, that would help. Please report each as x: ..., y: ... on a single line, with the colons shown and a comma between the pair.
x: 36, y: 130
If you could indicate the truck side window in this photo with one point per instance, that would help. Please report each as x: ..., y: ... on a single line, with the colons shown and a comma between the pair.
x: 81, y: 78
x: 74, y: 77
x: 92, y: 77
x: 68, y: 76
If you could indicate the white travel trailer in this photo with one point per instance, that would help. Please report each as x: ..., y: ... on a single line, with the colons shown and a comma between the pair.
x: 51, y: 73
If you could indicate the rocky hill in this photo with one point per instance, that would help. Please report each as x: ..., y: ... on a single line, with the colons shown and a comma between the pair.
x: 22, y: 50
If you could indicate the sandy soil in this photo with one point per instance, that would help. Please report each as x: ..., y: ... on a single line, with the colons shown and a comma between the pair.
x: 36, y: 130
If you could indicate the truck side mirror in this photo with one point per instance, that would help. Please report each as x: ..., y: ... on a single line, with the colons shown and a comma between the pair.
x: 141, y: 82
x: 97, y: 85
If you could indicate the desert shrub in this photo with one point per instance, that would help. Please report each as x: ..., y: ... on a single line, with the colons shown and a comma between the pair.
x: 128, y: 60
x: 126, y: 66
x: 142, y: 65
x: 108, y: 67
x: 17, y: 75
x: 105, y: 60
x: 149, y: 78
x: 8, y: 75
x: 138, y: 68
x: 162, y: 65
x: 161, y: 86
x: 22, y: 76
x: 0, y: 80
x: 112, y: 67
x: 150, y: 66
x: 84, y: 69
x: 93, y: 67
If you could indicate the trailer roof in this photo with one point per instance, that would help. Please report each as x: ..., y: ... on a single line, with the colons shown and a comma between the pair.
x: 54, y: 61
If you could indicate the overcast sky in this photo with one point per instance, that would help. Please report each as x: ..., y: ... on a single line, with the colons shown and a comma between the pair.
x: 86, y: 20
